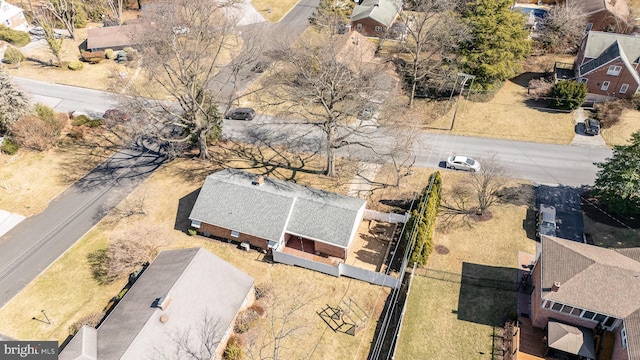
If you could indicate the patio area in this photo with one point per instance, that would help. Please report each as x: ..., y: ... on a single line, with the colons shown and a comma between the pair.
x: 370, y: 247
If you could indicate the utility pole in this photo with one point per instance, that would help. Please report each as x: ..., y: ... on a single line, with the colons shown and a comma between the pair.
x: 465, y: 78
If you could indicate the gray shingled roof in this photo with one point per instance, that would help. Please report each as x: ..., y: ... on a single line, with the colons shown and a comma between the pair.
x: 198, y: 283
x: 592, y: 6
x: 230, y: 199
x: 593, y: 278
x: 382, y: 11
x: 598, y: 42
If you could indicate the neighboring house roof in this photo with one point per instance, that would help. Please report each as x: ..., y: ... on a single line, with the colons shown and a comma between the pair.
x: 604, y: 47
x: 8, y: 11
x: 198, y: 285
x: 617, y: 7
x: 382, y: 11
x: 111, y: 36
x: 6, y: 338
x: 231, y: 199
x: 593, y: 278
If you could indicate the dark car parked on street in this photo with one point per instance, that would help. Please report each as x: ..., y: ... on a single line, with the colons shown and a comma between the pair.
x: 241, y: 114
x: 591, y: 127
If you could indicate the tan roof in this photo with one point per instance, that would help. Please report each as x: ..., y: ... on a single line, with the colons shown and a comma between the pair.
x: 112, y: 36
x: 617, y: 7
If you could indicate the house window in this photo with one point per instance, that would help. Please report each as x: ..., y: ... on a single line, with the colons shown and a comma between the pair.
x: 614, y: 70
x: 588, y: 315
x: 609, y: 322
x: 566, y: 309
x: 583, y: 80
x: 600, y: 318
x: 588, y: 28
x: 547, y: 304
x: 378, y: 28
x: 576, y: 312
x: 196, y: 224
x: 557, y: 306
x: 358, y: 26
x: 234, y: 233
x: 8, y: 22
x: 623, y: 337
x: 624, y: 88
x: 605, y: 85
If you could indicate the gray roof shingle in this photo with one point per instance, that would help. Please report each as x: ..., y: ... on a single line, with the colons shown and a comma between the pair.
x: 382, y: 11
x: 598, y: 42
x: 199, y: 285
x: 230, y: 199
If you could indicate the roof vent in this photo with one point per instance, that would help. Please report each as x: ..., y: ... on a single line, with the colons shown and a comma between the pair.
x: 259, y: 181
x: 555, y: 287
x: 164, y: 319
x: 162, y: 302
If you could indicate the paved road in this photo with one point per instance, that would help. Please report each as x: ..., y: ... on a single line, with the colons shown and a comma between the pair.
x: 35, y: 243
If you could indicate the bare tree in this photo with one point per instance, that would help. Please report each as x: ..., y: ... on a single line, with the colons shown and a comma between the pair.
x: 65, y: 11
x: 433, y: 32
x: 184, y: 44
x: 116, y: 7
x: 197, y: 342
x: 272, y: 339
x: 36, y: 132
x: 476, y: 193
x: 326, y: 85
x: 563, y: 28
x: 332, y: 15
x: 47, y: 20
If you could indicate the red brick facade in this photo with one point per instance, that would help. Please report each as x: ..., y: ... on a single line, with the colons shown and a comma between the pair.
x: 369, y: 27
x: 331, y: 250
x: 223, y: 233
x: 603, y: 20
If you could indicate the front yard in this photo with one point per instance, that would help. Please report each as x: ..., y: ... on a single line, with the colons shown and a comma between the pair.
x: 447, y: 319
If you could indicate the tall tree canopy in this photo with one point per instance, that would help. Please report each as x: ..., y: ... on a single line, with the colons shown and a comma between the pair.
x: 13, y: 102
x: 499, y: 41
x: 618, y: 180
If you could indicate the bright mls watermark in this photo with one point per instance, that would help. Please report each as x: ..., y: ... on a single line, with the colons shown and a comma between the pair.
x: 29, y: 350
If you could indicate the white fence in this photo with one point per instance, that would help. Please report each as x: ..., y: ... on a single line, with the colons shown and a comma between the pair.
x: 341, y: 270
x: 386, y: 217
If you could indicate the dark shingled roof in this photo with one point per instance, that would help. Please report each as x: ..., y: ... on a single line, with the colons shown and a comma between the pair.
x: 199, y: 285
x: 230, y: 199
x: 593, y: 278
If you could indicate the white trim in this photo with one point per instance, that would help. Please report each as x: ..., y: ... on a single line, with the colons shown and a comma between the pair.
x: 235, y: 233
x: 623, y: 337
x: 614, y: 70
x: 605, y: 85
x: 196, y: 224
x: 624, y: 88
x: 378, y: 28
x: 359, y: 26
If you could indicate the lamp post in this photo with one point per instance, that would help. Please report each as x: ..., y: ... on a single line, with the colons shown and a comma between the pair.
x: 465, y: 78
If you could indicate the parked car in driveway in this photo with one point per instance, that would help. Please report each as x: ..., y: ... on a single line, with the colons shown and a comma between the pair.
x: 463, y: 163
x: 241, y: 114
x: 591, y: 127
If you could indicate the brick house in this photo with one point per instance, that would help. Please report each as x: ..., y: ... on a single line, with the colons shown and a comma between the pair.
x: 271, y: 214
x: 12, y: 17
x: 185, y: 298
x: 592, y: 288
x: 374, y: 17
x: 604, y: 15
x: 608, y: 64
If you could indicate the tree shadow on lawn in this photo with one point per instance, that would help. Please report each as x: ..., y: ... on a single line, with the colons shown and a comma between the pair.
x: 488, y: 294
x: 524, y: 78
x: 541, y: 105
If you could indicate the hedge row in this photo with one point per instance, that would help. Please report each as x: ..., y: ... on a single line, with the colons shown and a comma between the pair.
x: 422, y: 224
x: 14, y: 37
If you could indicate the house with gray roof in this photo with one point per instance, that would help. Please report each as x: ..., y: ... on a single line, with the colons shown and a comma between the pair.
x: 185, y: 297
x: 272, y: 214
x: 374, y: 17
x: 608, y: 64
x: 592, y: 288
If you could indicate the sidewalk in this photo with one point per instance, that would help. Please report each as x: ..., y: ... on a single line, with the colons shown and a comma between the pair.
x: 8, y: 221
x: 359, y: 186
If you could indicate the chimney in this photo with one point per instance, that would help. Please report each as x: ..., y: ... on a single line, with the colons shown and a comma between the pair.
x: 163, y: 302
x: 555, y: 287
x: 259, y: 181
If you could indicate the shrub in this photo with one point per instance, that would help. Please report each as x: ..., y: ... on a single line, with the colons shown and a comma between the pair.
x: 257, y: 308
x: 539, y: 88
x: 110, y: 54
x: 45, y: 113
x: 80, y: 120
x: 421, y: 225
x: 76, y: 133
x: 93, y: 123
x: 568, y: 95
x: 75, y: 65
x: 246, y: 320
x: 88, y: 55
x: 192, y: 231
x: 90, y: 320
x: 609, y: 112
x: 263, y: 290
x: 9, y: 146
x: 13, y: 56
x: 233, y: 351
x: 33, y: 132
x: 14, y: 37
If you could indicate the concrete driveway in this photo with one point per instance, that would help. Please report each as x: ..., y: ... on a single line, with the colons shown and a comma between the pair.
x: 582, y: 139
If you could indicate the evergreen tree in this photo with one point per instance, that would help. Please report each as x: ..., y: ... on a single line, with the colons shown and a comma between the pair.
x: 13, y: 102
x: 499, y: 41
x: 568, y: 95
x: 618, y: 180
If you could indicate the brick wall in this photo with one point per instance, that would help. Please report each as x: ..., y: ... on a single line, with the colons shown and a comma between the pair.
x: 226, y: 234
x: 368, y: 27
x: 618, y: 352
x: 330, y: 250
x: 597, y: 77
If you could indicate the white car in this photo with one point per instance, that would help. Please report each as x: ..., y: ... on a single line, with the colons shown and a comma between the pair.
x: 463, y: 163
